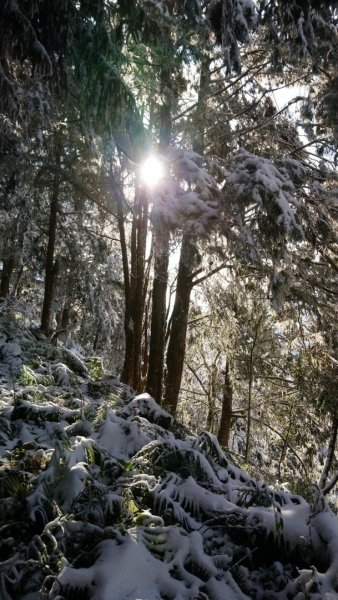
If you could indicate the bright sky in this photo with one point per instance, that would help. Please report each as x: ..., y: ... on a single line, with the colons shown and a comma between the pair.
x: 152, y: 170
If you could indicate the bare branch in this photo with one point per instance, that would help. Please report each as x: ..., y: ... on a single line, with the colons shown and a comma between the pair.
x: 222, y: 90
x: 216, y: 270
x: 198, y: 378
x: 282, y: 438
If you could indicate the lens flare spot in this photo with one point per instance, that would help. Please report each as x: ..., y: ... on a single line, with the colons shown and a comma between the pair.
x: 152, y: 171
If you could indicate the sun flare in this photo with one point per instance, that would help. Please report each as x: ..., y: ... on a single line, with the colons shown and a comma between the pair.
x: 152, y: 171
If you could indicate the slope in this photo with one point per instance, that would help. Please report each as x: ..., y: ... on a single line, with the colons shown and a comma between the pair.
x: 103, y: 496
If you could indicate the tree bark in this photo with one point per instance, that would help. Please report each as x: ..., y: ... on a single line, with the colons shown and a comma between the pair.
x: 158, y: 316
x: 50, y: 270
x: 154, y: 383
x: 6, y: 273
x: 135, y: 291
x: 126, y: 374
x: 179, y: 325
x: 140, y: 286
x: 179, y: 319
x: 225, y: 423
x: 250, y: 388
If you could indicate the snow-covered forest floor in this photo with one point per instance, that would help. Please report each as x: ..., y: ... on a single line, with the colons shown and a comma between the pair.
x: 103, y: 496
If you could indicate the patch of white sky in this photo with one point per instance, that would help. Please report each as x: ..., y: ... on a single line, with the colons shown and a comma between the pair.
x: 283, y: 96
x: 280, y: 96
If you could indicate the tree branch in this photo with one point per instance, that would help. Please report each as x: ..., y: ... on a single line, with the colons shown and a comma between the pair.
x: 216, y: 270
x: 282, y: 438
x: 198, y: 378
x: 224, y: 89
x: 269, y: 120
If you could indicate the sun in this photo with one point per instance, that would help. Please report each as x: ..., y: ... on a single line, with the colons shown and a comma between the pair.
x: 152, y: 171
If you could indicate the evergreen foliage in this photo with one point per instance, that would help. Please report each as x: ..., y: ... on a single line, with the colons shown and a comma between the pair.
x: 213, y: 288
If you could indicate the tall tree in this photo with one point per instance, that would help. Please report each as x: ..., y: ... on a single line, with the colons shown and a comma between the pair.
x: 51, y: 266
x: 161, y: 242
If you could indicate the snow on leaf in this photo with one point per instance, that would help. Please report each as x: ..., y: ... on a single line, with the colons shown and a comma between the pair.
x: 272, y: 186
x: 188, y: 196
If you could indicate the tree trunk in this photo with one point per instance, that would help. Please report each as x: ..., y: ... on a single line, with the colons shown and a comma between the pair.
x: 211, y: 413
x: 158, y: 315
x: 50, y: 267
x: 140, y: 287
x: 179, y: 319
x: 145, y: 348
x: 135, y: 291
x: 225, y: 423
x: 286, y: 440
x: 126, y: 374
x: 8, y: 256
x: 250, y: 390
x: 212, y: 395
x: 179, y: 325
x: 6, y: 273
x: 161, y: 261
x: 200, y: 120
x: 16, y: 286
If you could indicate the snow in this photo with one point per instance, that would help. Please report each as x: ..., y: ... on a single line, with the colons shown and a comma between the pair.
x: 187, y: 195
x: 11, y: 349
x: 268, y: 184
x: 149, y: 577
x: 133, y: 507
x: 245, y: 18
x: 120, y: 440
x: 72, y: 484
x: 326, y: 526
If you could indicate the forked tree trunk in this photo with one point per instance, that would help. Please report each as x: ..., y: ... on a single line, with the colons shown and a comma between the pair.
x: 225, y: 423
x: 135, y: 289
x: 50, y: 270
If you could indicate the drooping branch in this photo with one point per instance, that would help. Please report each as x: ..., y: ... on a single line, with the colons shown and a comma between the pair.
x: 330, y: 485
x: 211, y: 273
x: 330, y: 454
